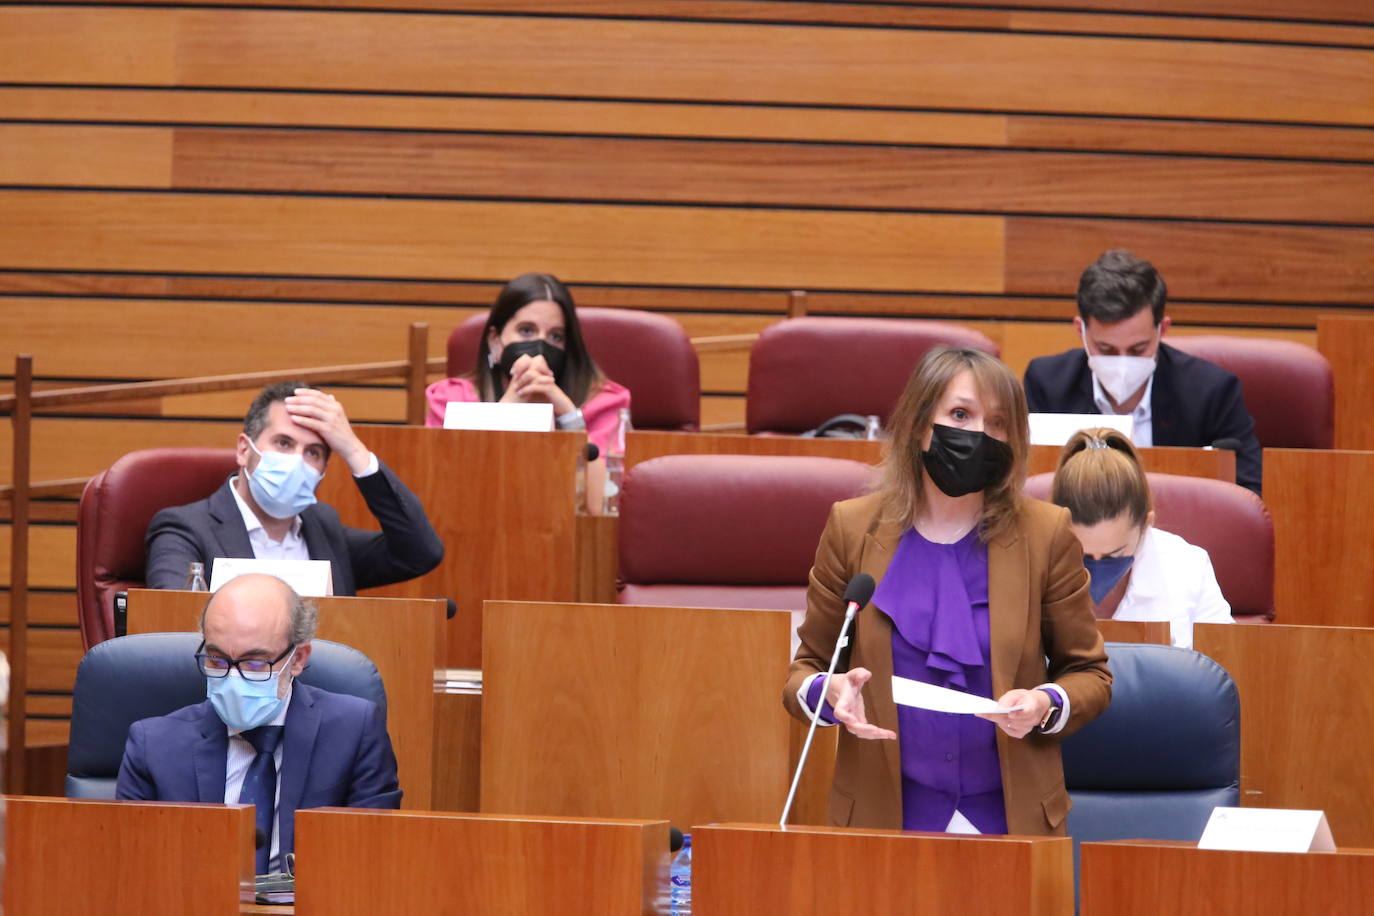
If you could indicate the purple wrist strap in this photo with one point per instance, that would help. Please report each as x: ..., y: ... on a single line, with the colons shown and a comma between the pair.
x: 814, y: 693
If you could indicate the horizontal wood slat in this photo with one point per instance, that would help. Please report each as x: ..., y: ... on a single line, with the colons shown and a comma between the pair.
x: 1199, y: 260
x: 53, y: 657
x: 650, y: 119
x: 80, y: 447
x: 45, y: 608
x: 52, y: 552
x: 857, y: 177
x: 683, y: 60
x: 1202, y: 17
x: 437, y: 239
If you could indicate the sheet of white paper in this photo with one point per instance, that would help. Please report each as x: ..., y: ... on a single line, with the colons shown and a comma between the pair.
x: 517, y: 417
x: 907, y: 692
x: 310, y: 578
x: 1267, y: 830
x: 1056, y: 428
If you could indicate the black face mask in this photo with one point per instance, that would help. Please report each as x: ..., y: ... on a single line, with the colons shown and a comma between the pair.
x: 555, y: 358
x: 964, y: 461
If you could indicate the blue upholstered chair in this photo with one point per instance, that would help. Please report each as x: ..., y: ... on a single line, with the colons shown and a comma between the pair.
x: 135, y: 677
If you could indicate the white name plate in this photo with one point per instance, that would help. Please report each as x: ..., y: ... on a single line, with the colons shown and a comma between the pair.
x: 517, y: 417
x: 1267, y: 830
x: 310, y: 578
x: 1058, y: 428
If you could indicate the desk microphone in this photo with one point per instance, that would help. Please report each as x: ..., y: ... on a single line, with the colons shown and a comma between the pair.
x: 1231, y: 445
x: 858, y: 593
x: 259, y: 838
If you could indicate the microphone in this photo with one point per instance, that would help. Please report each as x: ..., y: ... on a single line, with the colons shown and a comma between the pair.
x: 857, y: 595
x: 593, y: 452
x: 259, y: 838
x: 1231, y: 445
x: 674, y: 838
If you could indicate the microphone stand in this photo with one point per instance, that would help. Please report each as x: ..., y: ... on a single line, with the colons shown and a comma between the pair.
x: 850, y: 610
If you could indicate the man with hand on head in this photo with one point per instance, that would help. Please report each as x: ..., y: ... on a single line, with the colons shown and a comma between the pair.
x: 1124, y: 367
x: 261, y: 738
x: 268, y: 508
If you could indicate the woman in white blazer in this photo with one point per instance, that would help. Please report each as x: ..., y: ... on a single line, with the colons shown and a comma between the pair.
x: 1138, y: 571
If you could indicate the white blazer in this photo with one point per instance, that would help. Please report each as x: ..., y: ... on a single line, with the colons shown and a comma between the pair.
x: 1173, y: 580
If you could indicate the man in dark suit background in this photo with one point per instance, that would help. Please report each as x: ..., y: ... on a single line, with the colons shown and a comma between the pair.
x: 1123, y: 367
x: 268, y: 509
x: 329, y: 749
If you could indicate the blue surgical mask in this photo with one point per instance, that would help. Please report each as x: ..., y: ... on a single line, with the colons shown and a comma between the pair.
x: 1105, y: 572
x: 243, y: 704
x: 283, y: 485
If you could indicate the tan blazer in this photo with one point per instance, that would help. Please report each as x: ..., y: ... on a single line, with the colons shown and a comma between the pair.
x: 1038, y: 607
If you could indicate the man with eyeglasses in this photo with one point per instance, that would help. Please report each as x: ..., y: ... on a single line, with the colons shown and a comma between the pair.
x: 257, y: 722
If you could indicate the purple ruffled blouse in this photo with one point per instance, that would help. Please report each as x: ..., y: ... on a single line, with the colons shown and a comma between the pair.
x: 937, y: 598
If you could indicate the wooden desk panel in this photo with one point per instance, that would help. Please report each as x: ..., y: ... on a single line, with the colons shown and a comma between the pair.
x: 457, y: 751
x: 363, y: 862
x: 92, y: 858
x: 1323, y: 527
x: 399, y: 637
x: 1218, y: 464
x: 1149, y: 877
x: 1346, y: 343
x: 631, y: 711
x: 756, y: 870
x: 1148, y: 631
x: 502, y: 503
x: 1307, y: 719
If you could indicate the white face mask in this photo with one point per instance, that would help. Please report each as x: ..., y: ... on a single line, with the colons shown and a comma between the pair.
x: 1120, y: 376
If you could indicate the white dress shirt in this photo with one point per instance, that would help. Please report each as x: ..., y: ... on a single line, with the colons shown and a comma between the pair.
x: 240, y: 757
x: 1142, y: 428
x: 1173, y: 580
x: 292, y: 546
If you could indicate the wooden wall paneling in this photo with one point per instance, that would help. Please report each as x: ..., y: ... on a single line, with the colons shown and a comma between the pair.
x: 46, y: 608
x: 1200, y: 260
x: 1317, y: 10
x: 686, y: 171
x: 54, y: 653
x: 81, y: 447
x: 883, y: 67
x: 52, y: 556
x: 1145, y: 877
x: 1319, y: 501
x: 1302, y: 689
x: 1347, y: 344
x: 47, y: 154
x: 722, y: 410
x: 656, y: 119
x: 644, y: 445
x: 330, y: 236
x: 151, y: 857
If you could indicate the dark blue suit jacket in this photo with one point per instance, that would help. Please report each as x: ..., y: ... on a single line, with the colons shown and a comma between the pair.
x: 336, y: 752
x: 1193, y: 402
x: 406, y: 547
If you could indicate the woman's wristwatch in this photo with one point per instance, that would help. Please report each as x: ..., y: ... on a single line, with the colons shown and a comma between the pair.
x: 1052, y: 714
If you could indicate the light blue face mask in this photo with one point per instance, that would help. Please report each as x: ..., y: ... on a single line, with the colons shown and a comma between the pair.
x: 283, y: 484
x: 243, y: 704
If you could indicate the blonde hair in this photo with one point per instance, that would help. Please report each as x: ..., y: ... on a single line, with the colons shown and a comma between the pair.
x: 1100, y: 477
x: 902, y: 477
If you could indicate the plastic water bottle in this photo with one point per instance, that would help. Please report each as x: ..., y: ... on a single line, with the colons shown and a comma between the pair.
x: 873, y: 428
x: 680, y: 880
x: 615, y: 464
x: 195, y: 578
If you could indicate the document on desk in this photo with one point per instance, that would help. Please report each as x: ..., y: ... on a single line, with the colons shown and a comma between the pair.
x: 907, y: 692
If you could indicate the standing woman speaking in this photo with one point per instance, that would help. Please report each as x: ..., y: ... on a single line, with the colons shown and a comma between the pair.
x: 981, y: 590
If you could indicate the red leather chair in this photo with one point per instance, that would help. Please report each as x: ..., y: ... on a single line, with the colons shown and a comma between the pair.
x: 728, y: 530
x: 116, y: 507
x: 648, y: 353
x: 804, y: 371
x: 1228, y: 521
x: 1288, y: 387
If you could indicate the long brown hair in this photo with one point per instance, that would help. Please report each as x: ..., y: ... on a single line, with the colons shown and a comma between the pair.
x: 902, y: 479
x: 1099, y: 477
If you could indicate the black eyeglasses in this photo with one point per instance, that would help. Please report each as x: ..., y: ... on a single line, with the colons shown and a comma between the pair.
x: 250, y: 669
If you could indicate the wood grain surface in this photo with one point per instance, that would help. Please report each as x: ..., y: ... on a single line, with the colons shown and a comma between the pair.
x: 1306, y: 719
x: 658, y: 733
x: 1346, y: 343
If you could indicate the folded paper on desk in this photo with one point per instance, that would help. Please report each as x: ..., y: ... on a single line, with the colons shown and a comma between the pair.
x: 907, y: 692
